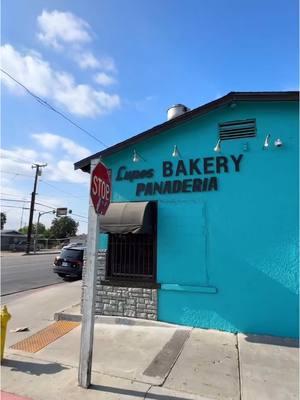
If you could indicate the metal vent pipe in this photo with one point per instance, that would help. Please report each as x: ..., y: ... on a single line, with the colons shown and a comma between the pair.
x: 176, y: 110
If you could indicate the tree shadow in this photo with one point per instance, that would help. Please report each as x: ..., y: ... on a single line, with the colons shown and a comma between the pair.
x: 32, y: 368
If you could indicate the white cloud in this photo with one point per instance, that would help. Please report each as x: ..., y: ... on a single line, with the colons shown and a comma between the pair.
x: 63, y: 29
x: 22, y: 158
x: 58, y: 28
x: 64, y: 171
x: 105, y: 80
x: 84, y: 100
x: 60, y: 86
x: 87, y: 60
x: 61, y: 154
x: 52, y: 142
x: 30, y: 69
x: 60, y: 171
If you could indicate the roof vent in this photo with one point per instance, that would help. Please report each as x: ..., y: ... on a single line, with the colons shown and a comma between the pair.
x: 176, y: 110
x: 237, y: 129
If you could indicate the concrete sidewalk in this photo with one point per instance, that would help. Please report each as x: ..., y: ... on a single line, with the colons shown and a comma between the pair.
x: 151, y: 361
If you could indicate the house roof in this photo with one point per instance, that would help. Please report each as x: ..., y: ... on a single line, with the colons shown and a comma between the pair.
x: 231, y: 97
x: 10, y: 232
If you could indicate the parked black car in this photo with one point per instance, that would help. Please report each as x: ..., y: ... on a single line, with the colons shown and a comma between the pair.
x: 69, y: 262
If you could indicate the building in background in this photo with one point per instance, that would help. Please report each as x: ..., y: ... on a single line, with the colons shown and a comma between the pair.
x: 10, y: 237
x: 203, y: 225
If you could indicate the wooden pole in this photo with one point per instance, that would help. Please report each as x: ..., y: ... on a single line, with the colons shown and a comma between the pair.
x: 89, y: 290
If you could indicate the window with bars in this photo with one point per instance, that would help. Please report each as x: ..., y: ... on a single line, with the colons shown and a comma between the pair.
x: 131, y: 257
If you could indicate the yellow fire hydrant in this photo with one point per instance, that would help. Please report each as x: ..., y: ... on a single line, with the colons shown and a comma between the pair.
x: 5, y: 317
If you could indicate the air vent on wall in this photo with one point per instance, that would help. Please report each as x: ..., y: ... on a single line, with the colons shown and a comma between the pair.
x: 237, y: 129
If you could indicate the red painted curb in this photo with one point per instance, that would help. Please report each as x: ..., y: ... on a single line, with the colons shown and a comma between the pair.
x: 10, y: 396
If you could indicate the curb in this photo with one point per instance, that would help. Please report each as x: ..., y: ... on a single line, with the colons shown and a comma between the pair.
x: 114, y: 320
x: 41, y: 253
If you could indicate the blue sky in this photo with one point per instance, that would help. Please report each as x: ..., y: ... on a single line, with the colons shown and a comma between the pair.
x: 114, y: 67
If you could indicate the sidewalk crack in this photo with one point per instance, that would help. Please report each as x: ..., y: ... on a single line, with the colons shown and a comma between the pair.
x: 239, y: 366
x: 147, y: 391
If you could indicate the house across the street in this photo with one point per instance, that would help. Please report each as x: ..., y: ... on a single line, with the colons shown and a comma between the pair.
x: 9, y: 237
x: 203, y: 225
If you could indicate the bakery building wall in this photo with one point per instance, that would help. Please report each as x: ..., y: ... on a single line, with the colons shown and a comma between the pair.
x: 227, y: 234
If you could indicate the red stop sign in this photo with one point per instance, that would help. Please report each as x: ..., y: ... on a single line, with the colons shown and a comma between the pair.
x: 100, y: 188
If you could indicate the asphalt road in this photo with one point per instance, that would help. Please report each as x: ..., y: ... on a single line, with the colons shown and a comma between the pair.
x: 19, y: 273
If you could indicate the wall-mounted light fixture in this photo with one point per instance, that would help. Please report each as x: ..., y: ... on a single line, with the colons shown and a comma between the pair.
x: 267, y: 142
x: 136, y: 157
x: 175, y: 152
x: 217, y: 148
x: 278, y: 143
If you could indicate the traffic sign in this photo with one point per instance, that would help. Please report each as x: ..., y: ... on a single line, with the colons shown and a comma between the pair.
x: 100, y: 188
x: 60, y: 212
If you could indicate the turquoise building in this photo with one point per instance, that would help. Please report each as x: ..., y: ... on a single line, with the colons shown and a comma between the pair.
x: 203, y: 226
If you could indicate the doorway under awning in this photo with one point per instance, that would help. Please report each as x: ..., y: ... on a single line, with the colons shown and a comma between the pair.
x: 129, y: 217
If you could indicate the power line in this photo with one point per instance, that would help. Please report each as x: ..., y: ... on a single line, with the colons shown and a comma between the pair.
x: 17, y: 201
x: 46, y: 183
x: 81, y: 216
x: 61, y: 190
x: 28, y: 201
x: 27, y: 208
x: 40, y: 204
x: 18, y: 159
x: 81, y: 220
x: 49, y: 106
x: 45, y: 205
x: 15, y: 173
x: 41, y: 180
x: 22, y: 208
x: 15, y: 195
x: 5, y: 205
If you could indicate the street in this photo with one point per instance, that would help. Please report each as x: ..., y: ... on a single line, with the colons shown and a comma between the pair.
x: 19, y: 273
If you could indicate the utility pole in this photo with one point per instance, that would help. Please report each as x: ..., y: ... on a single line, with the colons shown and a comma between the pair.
x: 37, y: 174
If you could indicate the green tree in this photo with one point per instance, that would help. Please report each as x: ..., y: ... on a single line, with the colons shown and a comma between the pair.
x: 24, y: 230
x: 41, y: 231
x: 63, y: 227
x: 3, y: 220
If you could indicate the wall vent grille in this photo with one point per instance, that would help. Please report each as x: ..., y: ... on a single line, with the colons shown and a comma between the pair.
x: 237, y: 129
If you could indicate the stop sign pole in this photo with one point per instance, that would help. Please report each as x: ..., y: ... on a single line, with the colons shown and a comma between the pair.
x: 100, y: 192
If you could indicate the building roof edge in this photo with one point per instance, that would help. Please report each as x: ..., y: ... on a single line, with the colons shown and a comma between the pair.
x: 84, y: 164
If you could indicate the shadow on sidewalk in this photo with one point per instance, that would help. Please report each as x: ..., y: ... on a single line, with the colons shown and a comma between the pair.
x: 273, y: 340
x: 150, y: 396
x: 32, y: 368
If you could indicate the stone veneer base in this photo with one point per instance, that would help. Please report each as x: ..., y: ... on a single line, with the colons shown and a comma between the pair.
x: 135, y: 302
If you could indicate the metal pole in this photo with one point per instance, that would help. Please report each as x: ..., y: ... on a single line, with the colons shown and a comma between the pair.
x: 37, y: 226
x: 23, y: 208
x: 88, y: 309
